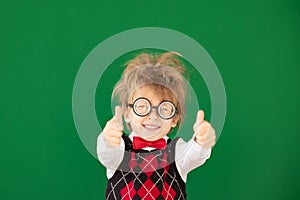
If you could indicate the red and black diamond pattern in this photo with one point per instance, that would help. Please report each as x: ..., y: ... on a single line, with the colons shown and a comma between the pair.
x: 147, y: 175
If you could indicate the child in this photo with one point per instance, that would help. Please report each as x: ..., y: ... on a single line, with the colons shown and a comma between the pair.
x: 147, y: 164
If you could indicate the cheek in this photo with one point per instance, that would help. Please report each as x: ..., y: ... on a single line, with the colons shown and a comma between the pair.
x: 167, y: 125
x: 169, y: 122
x: 133, y: 119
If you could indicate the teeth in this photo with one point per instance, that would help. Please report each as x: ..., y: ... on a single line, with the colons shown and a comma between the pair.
x: 151, y: 126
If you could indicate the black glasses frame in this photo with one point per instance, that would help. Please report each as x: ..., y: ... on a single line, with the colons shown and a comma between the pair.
x: 154, y: 107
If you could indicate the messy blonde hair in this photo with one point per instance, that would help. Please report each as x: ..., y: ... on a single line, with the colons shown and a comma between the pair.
x: 162, y: 71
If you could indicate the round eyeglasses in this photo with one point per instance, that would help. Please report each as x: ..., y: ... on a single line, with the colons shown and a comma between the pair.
x: 142, y: 107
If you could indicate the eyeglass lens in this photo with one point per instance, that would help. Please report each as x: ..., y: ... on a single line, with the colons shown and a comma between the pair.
x: 143, y: 107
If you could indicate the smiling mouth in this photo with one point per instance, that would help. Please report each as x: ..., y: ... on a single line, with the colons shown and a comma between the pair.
x: 151, y: 127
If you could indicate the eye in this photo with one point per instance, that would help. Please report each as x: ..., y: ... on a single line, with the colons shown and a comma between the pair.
x: 166, y: 109
x: 142, y: 106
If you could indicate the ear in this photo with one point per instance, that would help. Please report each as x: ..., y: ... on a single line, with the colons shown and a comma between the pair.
x: 174, y: 121
x: 126, y: 116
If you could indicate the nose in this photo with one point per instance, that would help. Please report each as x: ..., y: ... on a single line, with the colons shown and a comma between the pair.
x: 153, y: 114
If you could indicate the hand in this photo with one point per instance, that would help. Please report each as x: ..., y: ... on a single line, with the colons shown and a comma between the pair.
x: 113, y: 129
x: 205, y: 133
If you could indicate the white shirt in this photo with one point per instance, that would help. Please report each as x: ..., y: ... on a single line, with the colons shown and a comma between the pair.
x: 188, y: 155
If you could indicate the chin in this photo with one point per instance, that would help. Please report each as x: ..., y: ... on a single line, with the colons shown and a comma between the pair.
x: 150, y: 136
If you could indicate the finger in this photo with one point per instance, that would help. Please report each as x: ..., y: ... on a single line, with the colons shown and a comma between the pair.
x: 209, y: 142
x: 205, y: 138
x: 111, y: 126
x: 201, y: 138
x: 118, y: 117
x: 203, y: 128
x: 116, y: 133
x: 200, y: 117
x: 113, y: 142
x: 118, y: 114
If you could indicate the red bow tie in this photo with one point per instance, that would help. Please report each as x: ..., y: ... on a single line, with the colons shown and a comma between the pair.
x: 139, y: 143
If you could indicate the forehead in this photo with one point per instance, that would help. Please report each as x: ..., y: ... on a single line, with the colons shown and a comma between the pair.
x: 154, y: 93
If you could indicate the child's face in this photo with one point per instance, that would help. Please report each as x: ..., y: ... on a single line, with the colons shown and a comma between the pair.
x: 152, y: 126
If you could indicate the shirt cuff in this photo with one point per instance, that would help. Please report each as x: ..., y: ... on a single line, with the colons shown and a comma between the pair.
x: 110, y: 157
x: 201, y: 151
x: 102, y: 146
x: 189, y: 155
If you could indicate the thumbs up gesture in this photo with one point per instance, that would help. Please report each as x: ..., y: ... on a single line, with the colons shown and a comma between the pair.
x: 113, y: 129
x: 205, y: 133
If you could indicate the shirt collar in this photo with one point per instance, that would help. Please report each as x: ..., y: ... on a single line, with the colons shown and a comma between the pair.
x: 134, y: 134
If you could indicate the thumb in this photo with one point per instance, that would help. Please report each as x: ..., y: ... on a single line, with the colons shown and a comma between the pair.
x: 200, y: 117
x: 118, y: 117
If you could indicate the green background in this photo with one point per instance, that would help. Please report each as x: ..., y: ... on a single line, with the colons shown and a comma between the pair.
x: 255, y: 44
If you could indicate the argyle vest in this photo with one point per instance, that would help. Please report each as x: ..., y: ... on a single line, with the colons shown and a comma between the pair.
x: 147, y: 175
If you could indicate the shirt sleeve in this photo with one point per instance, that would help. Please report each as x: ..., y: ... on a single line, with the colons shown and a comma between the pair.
x: 189, y: 155
x: 110, y: 157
